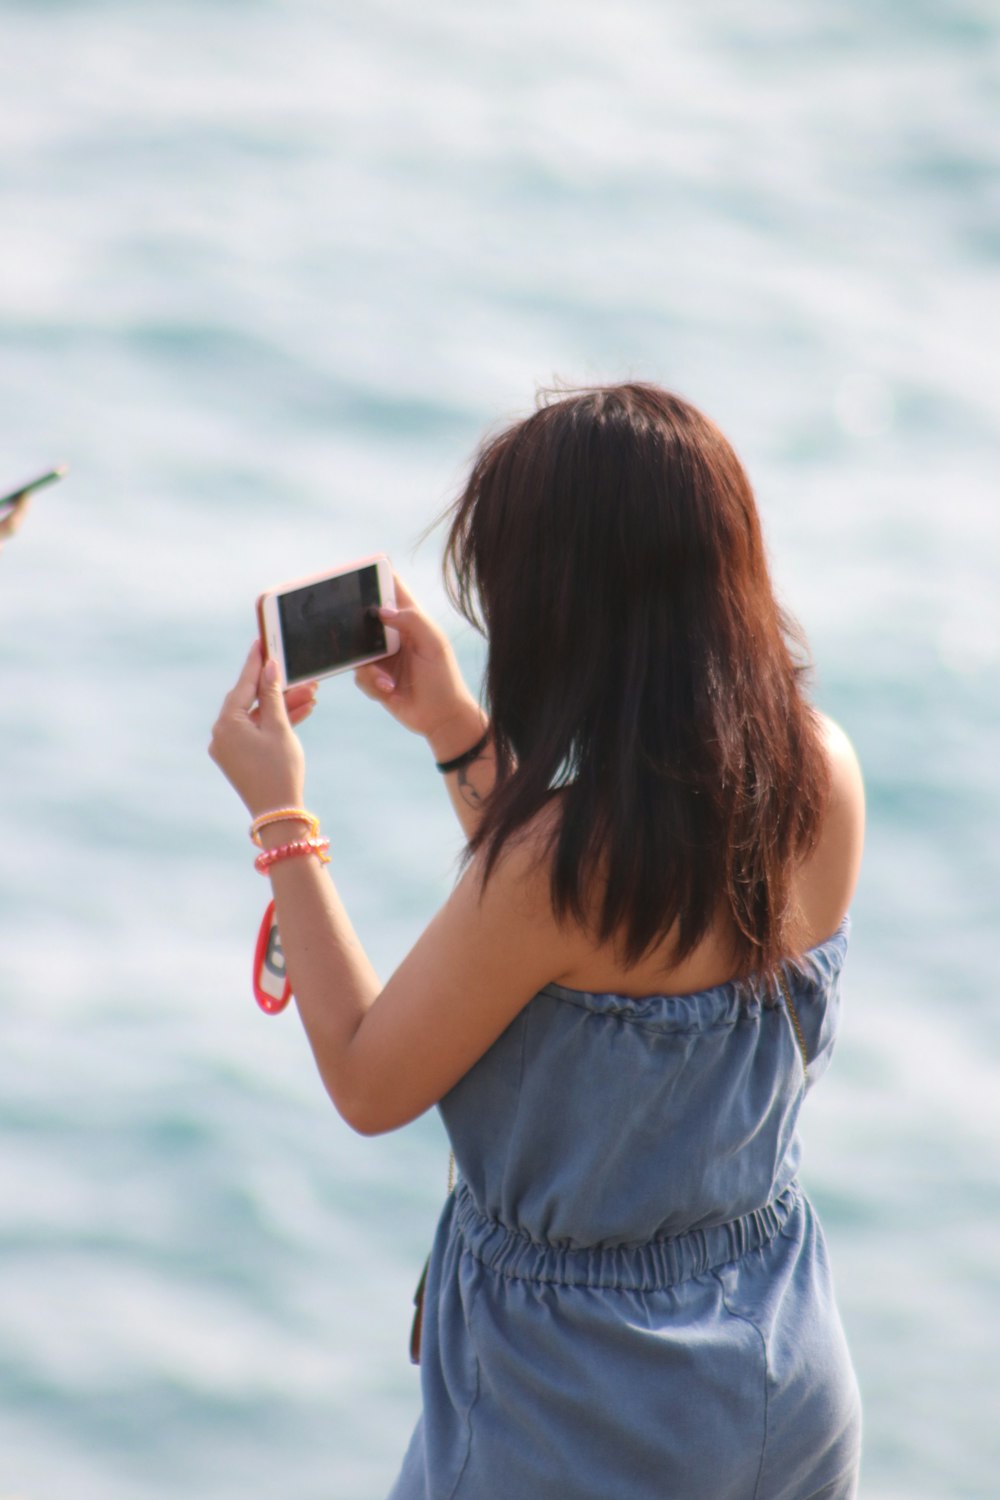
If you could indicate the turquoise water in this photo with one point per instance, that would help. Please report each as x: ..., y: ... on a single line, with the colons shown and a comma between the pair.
x: 267, y: 271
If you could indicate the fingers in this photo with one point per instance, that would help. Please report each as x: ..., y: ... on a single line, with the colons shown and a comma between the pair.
x: 406, y: 616
x: 270, y: 698
x: 301, y: 693
x: 375, y: 682
x: 397, y: 618
x: 14, y: 519
x: 403, y: 596
x: 297, y: 716
x: 415, y: 630
x: 300, y: 702
x: 243, y: 693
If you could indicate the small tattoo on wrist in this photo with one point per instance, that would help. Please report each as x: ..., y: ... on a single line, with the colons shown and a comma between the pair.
x: 466, y: 790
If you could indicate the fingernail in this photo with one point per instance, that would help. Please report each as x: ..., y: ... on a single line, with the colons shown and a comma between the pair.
x: 384, y: 684
x: 270, y: 671
x: 388, y: 612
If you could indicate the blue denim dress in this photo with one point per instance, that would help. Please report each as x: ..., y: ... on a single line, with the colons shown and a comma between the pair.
x: 629, y: 1296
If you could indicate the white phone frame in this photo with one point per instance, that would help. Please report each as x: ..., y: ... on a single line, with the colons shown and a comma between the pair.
x: 269, y: 618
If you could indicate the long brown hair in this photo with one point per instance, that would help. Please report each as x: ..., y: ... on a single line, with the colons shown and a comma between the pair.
x: 638, y: 661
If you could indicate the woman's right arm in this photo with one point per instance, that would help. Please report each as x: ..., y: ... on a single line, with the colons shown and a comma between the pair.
x: 423, y: 688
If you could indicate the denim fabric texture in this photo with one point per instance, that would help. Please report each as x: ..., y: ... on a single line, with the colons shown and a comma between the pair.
x: 629, y: 1296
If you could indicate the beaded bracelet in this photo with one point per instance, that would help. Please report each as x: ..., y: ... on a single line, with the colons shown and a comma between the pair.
x: 282, y: 815
x: 295, y: 850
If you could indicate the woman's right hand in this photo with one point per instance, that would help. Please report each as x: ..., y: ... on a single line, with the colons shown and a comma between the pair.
x: 422, y: 685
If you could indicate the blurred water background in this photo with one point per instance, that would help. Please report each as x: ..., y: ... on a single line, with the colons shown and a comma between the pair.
x: 268, y: 268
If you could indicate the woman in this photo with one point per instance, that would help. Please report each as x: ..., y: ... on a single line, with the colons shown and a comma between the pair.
x: 625, y: 998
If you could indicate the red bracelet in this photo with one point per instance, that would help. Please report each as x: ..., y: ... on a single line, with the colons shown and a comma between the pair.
x: 270, y: 857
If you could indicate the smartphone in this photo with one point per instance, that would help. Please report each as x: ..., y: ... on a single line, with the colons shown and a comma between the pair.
x: 9, y: 503
x: 328, y: 622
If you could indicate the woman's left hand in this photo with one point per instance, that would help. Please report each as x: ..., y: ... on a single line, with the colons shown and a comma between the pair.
x: 254, y: 742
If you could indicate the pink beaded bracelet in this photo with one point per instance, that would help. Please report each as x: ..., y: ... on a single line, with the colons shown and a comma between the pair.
x: 300, y: 847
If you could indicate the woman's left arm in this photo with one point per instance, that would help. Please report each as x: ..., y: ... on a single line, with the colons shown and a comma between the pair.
x: 386, y: 1054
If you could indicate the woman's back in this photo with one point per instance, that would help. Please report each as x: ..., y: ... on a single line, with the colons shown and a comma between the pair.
x: 821, y: 889
x: 602, y: 1120
x: 629, y: 1293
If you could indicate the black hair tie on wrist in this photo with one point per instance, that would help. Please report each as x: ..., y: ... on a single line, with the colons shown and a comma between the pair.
x: 461, y: 761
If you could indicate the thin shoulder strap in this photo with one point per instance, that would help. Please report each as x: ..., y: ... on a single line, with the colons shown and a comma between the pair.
x: 793, y: 1016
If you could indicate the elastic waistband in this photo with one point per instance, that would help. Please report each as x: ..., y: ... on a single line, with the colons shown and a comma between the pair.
x: 641, y: 1268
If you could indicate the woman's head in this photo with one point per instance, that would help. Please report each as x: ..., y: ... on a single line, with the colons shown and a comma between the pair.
x: 611, y: 547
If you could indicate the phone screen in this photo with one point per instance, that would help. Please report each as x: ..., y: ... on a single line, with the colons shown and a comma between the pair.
x: 330, y: 624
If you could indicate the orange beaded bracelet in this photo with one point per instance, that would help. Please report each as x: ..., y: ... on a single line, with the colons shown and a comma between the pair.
x: 283, y: 815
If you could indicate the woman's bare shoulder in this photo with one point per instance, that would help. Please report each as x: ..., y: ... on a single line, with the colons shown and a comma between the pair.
x: 522, y: 871
x: 835, y: 740
x: 828, y: 876
x: 847, y: 788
